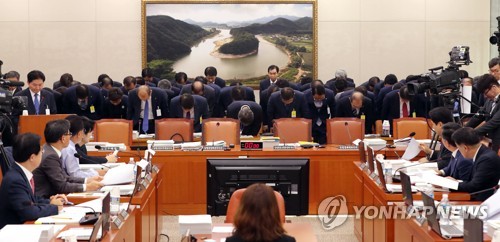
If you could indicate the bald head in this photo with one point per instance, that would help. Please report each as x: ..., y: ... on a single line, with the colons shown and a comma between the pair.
x: 197, y: 88
x: 144, y: 92
x: 357, y: 100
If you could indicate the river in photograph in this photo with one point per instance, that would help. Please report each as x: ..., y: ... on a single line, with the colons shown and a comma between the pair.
x: 241, y: 68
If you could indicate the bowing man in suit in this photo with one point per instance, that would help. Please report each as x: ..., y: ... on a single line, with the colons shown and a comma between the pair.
x: 115, y: 105
x: 356, y: 106
x: 459, y: 168
x: 19, y: 203
x: 250, y: 115
x: 211, y: 77
x: 287, y: 103
x: 83, y: 100
x: 191, y: 107
x: 204, y: 90
x: 321, y: 103
x: 486, y: 163
x: 38, y: 99
x: 399, y: 104
x: 50, y: 177
x: 489, y: 86
x: 145, y: 104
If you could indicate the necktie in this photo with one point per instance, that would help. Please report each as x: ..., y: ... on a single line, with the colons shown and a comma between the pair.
x: 37, y: 104
x: 405, y: 109
x: 188, y: 114
x: 355, y: 112
x: 145, y: 119
x: 32, y: 183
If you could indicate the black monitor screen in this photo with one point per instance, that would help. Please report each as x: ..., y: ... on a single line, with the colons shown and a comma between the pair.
x: 288, y: 176
x: 105, y: 213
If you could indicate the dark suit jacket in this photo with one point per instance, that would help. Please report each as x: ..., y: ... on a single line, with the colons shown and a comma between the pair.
x: 368, y: 95
x: 51, y: 178
x: 95, y: 99
x: 159, y: 100
x: 284, y: 238
x: 200, y: 110
x: 265, y: 84
x: 18, y: 203
x: 276, y: 109
x: 219, y: 82
x: 484, y: 174
x: 379, y: 99
x: 459, y: 168
x: 226, y: 99
x: 390, y: 107
x: 46, y: 99
x: 492, y: 126
x: 208, y: 93
x: 442, y: 157
x: 344, y: 109
x: 253, y: 129
x: 86, y: 159
x: 110, y: 110
x: 322, y: 113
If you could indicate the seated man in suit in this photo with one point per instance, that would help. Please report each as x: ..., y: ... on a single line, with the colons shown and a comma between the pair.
x: 81, y: 149
x: 83, y: 100
x: 70, y: 163
x: 50, y: 177
x: 486, y: 163
x: 356, y: 106
x: 191, y: 107
x: 204, y: 90
x: 129, y: 83
x: 489, y: 86
x: 115, y: 105
x: 287, y: 103
x: 250, y: 115
x: 459, y: 167
x: 145, y: 105
x: 13, y: 76
x: 39, y: 100
x: 19, y: 203
x: 321, y: 103
x: 439, y: 116
x: 211, y: 77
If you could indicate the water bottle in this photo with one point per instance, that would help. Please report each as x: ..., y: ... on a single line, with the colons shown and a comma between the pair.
x: 445, y: 205
x: 386, y: 128
x: 388, y: 172
x: 114, y: 207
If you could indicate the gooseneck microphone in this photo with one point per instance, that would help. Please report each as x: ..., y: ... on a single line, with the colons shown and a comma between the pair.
x: 85, y: 220
x: 485, y: 190
x: 87, y: 159
x: 407, y: 138
x: 346, y: 125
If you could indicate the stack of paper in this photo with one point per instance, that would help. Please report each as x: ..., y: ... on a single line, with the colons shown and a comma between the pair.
x: 492, y: 226
x: 216, y: 143
x: 375, y: 143
x: 91, y: 206
x: 191, y: 145
x: 124, y: 189
x: 99, y: 166
x: 119, y: 175
x: 197, y: 224
x: 80, y: 233
x: 29, y: 232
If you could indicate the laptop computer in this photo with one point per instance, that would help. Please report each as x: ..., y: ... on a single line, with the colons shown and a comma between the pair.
x: 406, y: 189
x: 445, y: 231
x: 91, y: 234
x: 473, y: 229
x: 370, y: 159
x: 387, y: 187
x: 106, y: 213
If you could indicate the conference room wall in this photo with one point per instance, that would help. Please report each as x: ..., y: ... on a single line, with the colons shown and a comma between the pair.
x: 364, y: 37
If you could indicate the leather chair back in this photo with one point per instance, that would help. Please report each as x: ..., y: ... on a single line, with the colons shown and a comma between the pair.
x: 234, y: 203
x: 293, y: 130
x: 177, y: 129
x: 336, y: 130
x: 226, y: 129
x: 402, y: 127
x: 114, y: 131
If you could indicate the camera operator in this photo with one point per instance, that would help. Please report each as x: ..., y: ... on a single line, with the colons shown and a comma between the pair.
x: 490, y: 88
x: 13, y: 76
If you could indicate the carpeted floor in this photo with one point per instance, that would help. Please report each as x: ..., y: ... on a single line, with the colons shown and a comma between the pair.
x: 343, y: 233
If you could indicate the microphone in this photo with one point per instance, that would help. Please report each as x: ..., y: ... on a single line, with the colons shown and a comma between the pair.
x: 85, y: 220
x: 87, y: 159
x: 346, y: 125
x: 11, y: 84
x: 485, y: 190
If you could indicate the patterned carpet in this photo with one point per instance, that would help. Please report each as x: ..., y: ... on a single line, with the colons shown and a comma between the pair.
x: 343, y: 233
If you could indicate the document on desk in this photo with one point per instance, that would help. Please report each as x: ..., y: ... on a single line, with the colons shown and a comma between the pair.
x: 26, y: 232
x: 124, y: 189
x: 62, y: 218
x: 119, y: 175
x: 412, y: 150
x: 493, y: 205
x: 191, y: 144
x: 86, y: 207
x: 440, y: 181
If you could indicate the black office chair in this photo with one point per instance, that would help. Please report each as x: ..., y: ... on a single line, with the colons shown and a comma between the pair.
x: 6, y: 158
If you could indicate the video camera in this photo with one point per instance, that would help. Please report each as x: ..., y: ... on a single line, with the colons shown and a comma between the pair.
x: 440, y: 80
x: 8, y: 103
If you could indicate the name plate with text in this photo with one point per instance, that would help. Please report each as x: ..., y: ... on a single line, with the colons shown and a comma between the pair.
x: 251, y: 145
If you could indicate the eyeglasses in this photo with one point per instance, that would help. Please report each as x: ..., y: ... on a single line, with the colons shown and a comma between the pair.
x: 69, y: 134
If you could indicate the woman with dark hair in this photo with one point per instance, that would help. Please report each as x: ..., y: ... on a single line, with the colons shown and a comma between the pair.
x: 258, y: 217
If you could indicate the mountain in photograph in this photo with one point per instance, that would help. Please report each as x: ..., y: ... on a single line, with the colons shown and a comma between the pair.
x: 279, y: 26
x: 169, y: 38
x: 238, y: 24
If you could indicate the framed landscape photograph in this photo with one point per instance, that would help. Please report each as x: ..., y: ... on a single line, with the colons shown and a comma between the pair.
x: 239, y: 38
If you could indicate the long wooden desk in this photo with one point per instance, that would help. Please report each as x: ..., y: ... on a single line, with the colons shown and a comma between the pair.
x: 371, y: 194
x: 302, y: 232
x: 184, y: 174
x: 125, y: 233
x: 410, y: 230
